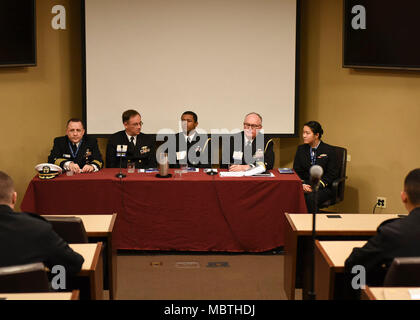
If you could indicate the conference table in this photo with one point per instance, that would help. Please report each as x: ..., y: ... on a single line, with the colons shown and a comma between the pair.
x: 329, y: 226
x: 330, y: 257
x: 390, y: 293
x: 72, y: 295
x: 91, y: 274
x: 99, y: 228
x: 194, y: 212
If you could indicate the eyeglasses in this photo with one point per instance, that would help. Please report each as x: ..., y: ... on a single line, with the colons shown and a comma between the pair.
x: 137, y: 124
x: 253, y: 126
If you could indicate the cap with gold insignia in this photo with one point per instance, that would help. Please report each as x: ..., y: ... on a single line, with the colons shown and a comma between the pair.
x: 48, y: 170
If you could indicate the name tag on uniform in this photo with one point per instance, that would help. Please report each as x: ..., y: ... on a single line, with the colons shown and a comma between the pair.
x: 237, y: 155
x: 66, y: 156
x: 181, y: 155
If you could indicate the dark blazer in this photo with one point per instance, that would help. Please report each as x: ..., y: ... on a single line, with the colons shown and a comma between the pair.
x: 144, y: 153
x: 198, y: 151
x: 267, y: 149
x: 29, y: 238
x: 325, y: 157
x: 394, y: 238
x: 88, y: 152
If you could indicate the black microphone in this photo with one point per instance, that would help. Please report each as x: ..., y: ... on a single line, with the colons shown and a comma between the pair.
x: 315, y: 172
x: 121, y: 152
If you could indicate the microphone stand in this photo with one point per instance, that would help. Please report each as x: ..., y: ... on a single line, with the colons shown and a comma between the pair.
x: 311, y: 293
x: 120, y: 174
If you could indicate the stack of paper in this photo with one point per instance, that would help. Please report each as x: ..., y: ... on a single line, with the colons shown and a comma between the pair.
x: 232, y: 174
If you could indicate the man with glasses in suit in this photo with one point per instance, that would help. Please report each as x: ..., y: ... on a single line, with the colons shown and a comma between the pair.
x: 140, y: 146
x: 250, y: 148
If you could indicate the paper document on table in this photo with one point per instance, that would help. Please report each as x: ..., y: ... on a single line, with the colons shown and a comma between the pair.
x: 232, y: 174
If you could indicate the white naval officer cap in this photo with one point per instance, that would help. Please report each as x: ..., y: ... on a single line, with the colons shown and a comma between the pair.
x: 48, y: 170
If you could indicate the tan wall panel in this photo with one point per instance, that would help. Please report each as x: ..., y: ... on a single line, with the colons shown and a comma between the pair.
x: 37, y: 101
x: 373, y: 113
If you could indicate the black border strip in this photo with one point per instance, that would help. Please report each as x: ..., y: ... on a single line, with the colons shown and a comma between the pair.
x: 31, y: 62
x: 84, y: 84
x: 362, y: 65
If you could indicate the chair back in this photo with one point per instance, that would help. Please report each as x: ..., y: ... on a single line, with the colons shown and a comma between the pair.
x: 24, y: 278
x: 71, y: 229
x: 403, y: 272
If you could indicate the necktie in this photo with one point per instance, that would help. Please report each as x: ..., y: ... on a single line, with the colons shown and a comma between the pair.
x: 248, y: 145
x: 132, y: 142
x: 74, y: 147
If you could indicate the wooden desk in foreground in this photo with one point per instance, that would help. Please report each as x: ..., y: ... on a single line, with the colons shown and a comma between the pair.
x: 92, y: 267
x: 99, y: 228
x: 73, y: 295
x: 297, y: 246
x: 330, y: 257
x: 389, y: 293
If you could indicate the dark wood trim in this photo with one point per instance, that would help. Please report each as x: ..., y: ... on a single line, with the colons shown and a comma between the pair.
x: 367, y: 294
x: 337, y: 233
x: 95, y: 259
x: 324, y: 254
x: 111, y: 225
x: 290, y: 258
x: 75, y: 295
x: 289, y: 219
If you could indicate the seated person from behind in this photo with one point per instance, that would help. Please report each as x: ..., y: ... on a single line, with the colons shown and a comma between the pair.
x: 140, y: 146
x: 29, y: 238
x: 192, y: 148
x: 315, y: 152
x: 76, y: 151
x: 394, y: 238
x: 250, y: 147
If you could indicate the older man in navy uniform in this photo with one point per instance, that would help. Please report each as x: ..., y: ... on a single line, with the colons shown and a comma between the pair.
x: 249, y: 148
x: 76, y: 151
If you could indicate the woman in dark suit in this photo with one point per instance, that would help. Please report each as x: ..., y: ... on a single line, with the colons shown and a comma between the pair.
x: 315, y: 152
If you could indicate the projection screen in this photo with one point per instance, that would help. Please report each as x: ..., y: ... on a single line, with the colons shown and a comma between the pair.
x: 219, y: 58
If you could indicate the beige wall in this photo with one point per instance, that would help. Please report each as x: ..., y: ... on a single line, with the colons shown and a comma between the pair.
x: 36, y: 101
x: 374, y: 114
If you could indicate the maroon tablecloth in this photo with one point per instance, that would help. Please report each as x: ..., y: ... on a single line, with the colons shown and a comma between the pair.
x: 195, y: 213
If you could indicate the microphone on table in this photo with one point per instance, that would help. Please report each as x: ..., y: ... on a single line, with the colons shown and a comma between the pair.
x: 121, y: 153
x: 316, y: 173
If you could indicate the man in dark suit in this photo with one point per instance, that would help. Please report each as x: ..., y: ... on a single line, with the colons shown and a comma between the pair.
x: 76, y: 151
x: 29, y: 238
x: 192, y: 148
x: 250, y: 147
x: 140, y: 146
x: 315, y: 152
x: 394, y: 238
